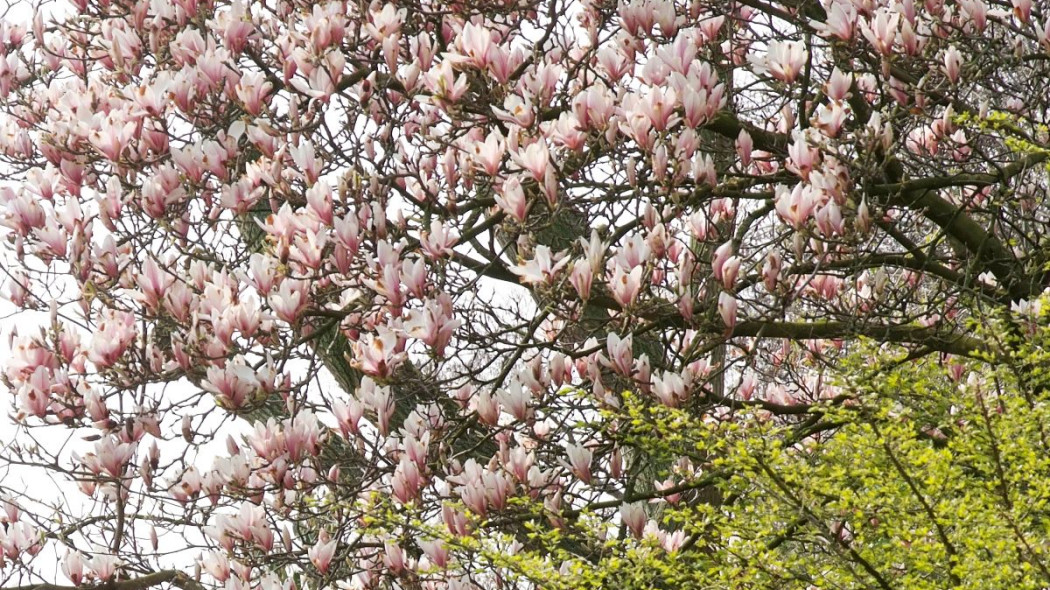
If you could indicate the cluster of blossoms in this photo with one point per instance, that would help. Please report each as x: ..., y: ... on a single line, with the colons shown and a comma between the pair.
x: 416, y: 262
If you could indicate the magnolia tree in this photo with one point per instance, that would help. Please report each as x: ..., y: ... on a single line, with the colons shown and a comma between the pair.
x: 530, y: 294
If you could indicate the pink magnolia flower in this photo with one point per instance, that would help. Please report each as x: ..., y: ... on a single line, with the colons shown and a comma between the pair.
x: 614, y: 62
x: 487, y: 408
x: 785, y: 59
x: 620, y: 353
x: 747, y: 387
x: 252, y: 90
x: 438, y: 242
x: 730, y: 270
x: 659, y: 106
x: 236, y: 27
x: 503, y: 62
x: 581, y: 278
x: 771, y: 271
x: 476, y: 43
x: 414, y: 276
x: 637, y: 17
x: 838, y: 85
x: 188, y: 486
x: 515, y: 400
x: 727, y: 308
x: 112, y: 136
x: 20, y: 538
x: 489, y: 153
x: 23, y: 212
x: 639, y: 128
x: 305, y: 158
x: 377, y: 399
x: 388, y: 274
x: 829, y: 118
x: 511, y: 199
x: 923, y: 140
x: 234, y: 386
x: 829, y: 219
x: 633, y: 516
x: 840, y: 21
x: 1022, y: 9
x: 443, y: 83
x: 863, y: 221
x: 104, y: 566
x: 407, y: 480
x: 626, y: 285
x: 952, y: 66
x: 722, y: 254
x: 112, y: 337
x: 519, y: 462
x: 744, y: 147
x: 436, y: 551
x: 534, y: 158
x: 881, y: 31
x: 34, y: 395
x: 393, y: 557
x: 795, y: 205
x: 290, y: 299
x: 542, y: 268
x: 960, y: 146
x: 348, y: 414
x: 434, y: 325
x: 385, y: 22
x: 308, y: 249
x: 580, y: 458
x: 593, y: 107
x: 566, y: 132
x: 634, y: 252
x: 217, y: 566
x: 153, y: 282
x: 321, y: 554
x: 668, y: 484
x: 73, y: 567
x: 704, y: 169
x: 378, y: 354
x: 802, y: 157
x: 669, y: 388
x: 672, y: 542
x: 263, y: 272
x: 976, y: 12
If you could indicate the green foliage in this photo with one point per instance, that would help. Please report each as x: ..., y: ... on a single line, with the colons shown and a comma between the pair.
x: 920, y: 476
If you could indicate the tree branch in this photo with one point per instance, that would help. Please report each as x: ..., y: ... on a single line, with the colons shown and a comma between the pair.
x: 174, y: 577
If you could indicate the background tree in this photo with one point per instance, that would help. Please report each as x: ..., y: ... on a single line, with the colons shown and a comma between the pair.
x: 525, y: 294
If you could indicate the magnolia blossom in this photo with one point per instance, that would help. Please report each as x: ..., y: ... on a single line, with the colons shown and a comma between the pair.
x: 785, y: 59
x: 114, y: 334
x: 727, y: 308
x: 511, y: 199
x: 534, y: 159
x: 542, y: 268
x: 433, y: 325
x: 952, y: 64
x: 795, y: 205
x: 438, y: 242
x: 73, y: 567
x: 580, y: 458
x: 104, y: 566
x: 379, y: 355
x: 321, y: 554
x: 626, y: 285
x: 234, y: 385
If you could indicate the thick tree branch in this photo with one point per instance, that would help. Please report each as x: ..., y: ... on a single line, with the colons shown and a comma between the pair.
x: 174, y: 577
